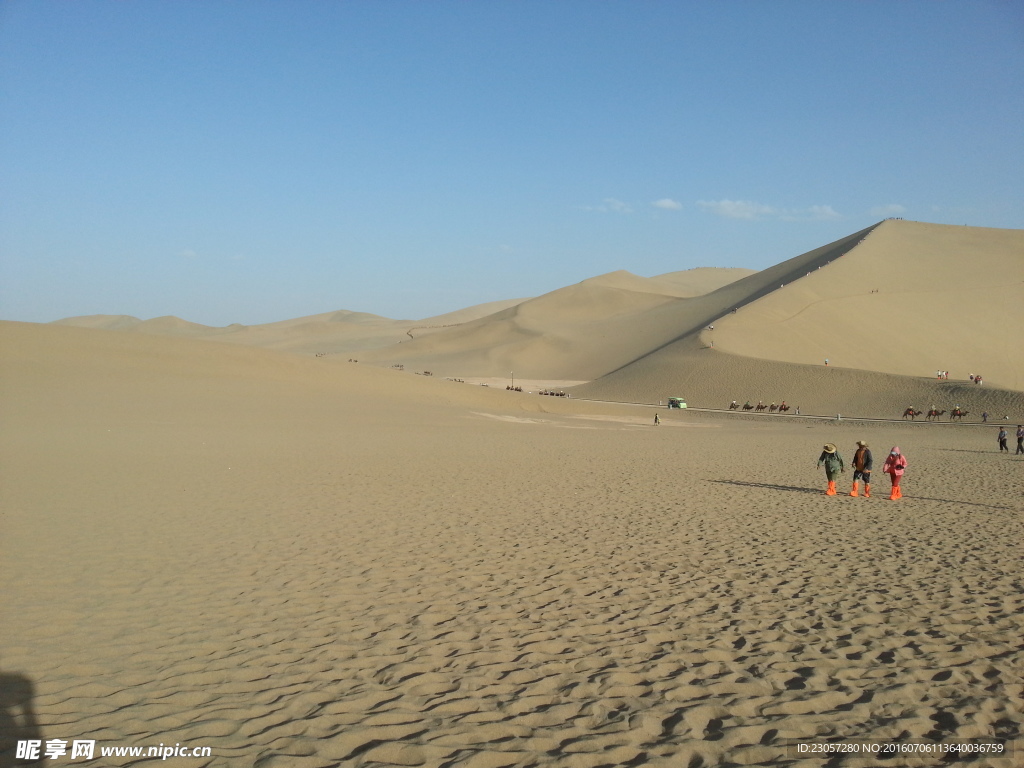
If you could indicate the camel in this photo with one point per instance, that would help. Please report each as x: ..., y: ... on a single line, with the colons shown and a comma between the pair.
x: 772, y: 408
x: 911, y: 414
x: 760, y: 406
x: 783, y: 408
x: 748, y: 407
x: 733, y: 405
x: 958, y: 414
x: 934, y: 414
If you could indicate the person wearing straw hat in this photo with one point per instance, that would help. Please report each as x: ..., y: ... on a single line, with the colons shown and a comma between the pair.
x: 861, y: 464
x: 895, y: 465
x: 834, y: 464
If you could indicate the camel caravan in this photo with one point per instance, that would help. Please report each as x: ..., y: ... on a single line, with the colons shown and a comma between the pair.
x: 934, y: 414
x: 760, y: 407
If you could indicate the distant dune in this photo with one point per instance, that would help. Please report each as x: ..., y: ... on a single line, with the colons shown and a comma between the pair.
x: 338, y: 332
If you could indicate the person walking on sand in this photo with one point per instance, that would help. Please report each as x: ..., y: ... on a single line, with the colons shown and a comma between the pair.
x: 1002, y: 440
x: 834, y: 464
x: 657, y: 419
x: 1020, y: 440
x: 895, y: 465
x: 861, y: 463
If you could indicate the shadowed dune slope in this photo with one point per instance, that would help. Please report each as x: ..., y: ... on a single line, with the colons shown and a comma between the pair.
x: 708, y: 378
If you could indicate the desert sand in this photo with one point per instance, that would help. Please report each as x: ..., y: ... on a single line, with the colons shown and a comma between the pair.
x: 305, y: 562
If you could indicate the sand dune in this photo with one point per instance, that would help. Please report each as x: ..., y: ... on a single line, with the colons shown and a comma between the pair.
x: 595, y: 327
x: 898, y: 298
x: 891, y: 299
x: 684, y: 284
x: 306, y: 562
x: 708, y: 378
x: 696, y: 282
x: 910, y: 299
x: 338, y: 333
x: 581, y: 331
x: 891, y: 305
x: 567, y: 332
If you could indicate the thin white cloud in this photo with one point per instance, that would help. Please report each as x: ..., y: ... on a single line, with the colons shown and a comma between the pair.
x: 188, y: 253
x: 752, y: 211
x: 668, y: 204
x: 608, y: 205
x: 737, y: 209
x: 818, y: 213
x: 893, y: 209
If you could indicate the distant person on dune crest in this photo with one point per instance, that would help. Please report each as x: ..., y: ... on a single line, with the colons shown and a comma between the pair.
x: 834, y: 464
x: 895, y: 465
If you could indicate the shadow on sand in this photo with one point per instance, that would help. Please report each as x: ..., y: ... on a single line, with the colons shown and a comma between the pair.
x: 17, y: 718
x: 876, y: 495
x: 795, y: 488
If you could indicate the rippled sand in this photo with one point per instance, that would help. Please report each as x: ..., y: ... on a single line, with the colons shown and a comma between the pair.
x: 319, y: 565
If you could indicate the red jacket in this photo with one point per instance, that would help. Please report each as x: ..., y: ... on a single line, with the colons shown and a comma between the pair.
x: 895, y: 462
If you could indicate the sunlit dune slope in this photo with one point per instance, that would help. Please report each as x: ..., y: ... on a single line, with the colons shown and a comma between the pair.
x: 578, y: 332
x: 910, y: 299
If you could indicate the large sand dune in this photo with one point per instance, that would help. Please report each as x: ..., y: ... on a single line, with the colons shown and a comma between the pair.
x: 899, y: 298
x: 575, y: 333
x: 300, y: 561
x: 598, y: 326
x: 909, y: 299
x: 888, y: 307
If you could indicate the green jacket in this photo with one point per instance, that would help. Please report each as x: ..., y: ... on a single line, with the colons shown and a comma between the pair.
x: 833, y: 462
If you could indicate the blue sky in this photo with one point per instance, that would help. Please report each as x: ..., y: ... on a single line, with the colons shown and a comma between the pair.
x: 255, y: 161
